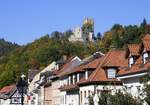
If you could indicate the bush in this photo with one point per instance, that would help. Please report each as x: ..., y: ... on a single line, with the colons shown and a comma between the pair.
x: 117, y: 99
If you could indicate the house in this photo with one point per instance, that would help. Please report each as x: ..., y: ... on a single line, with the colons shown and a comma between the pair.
x: 59, y: 79
x: 70, y: 89
x: 100, y: 76
x: 138, y: 66
x: 9, y: 95
x: 36, y: 88
x: 48, y: 92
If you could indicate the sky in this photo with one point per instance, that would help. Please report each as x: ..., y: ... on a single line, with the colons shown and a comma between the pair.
x: 23, y: 21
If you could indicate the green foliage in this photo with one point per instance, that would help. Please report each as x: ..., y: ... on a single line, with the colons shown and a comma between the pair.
x: 123, y: 99
x: 90, y: 99
x: 147, y: 93
x: 6, y: 47
x: 117, y: 99
x: 87, y: 28
x: 38, y: 55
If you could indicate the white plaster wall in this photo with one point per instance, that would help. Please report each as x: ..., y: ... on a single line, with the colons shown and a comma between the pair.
x: 63, y: 82
x: 63, y: 98
x: 113, y: 88
x: 83, y: 89
x: 33, y: 100
x: 72, y: 99
x: 5, y: 102
x: 132, y: 84
x: 42, y: 95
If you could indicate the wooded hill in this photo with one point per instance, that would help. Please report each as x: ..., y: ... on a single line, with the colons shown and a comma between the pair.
x: 15, y: 59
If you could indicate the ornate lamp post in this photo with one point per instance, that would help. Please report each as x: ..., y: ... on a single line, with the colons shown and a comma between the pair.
x: 22, y: 87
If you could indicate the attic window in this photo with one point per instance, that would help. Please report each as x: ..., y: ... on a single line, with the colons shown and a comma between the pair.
x: 145, y: 57
x: 86, y: 74
x: 131, y: 61
x: 111, y: 73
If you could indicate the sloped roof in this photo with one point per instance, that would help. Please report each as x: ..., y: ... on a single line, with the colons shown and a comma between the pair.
x: 115, y: 58
x: 7, y: 89
x: 134, y: 49
x: 146, y: 42
x: 99, y: 76
x: 93, y: 64
x: 68, y: 67
x: 110, y: 60
x: 138, y: 67
x: 69, y: 87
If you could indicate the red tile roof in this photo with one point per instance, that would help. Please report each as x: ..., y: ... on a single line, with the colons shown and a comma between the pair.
x: 146, y: 37
x: 110, y: 60
x: 146, y: 42
x: 93, y: 64
x: 67, y: 67
x: 135, y: 68
x: 81, y: 68
x: 77, y: 69
x: 99, y: 76
x: 69, y: 87
x: 115, y: 58
x: 7, y: 89
x: 134, y: 49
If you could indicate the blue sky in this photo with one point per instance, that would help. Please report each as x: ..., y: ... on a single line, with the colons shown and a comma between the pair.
x: 23, y: 21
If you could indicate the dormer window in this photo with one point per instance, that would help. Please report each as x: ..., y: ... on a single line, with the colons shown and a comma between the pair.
x: 86, y: 74
x: 78, y: 77
x: 145, y: 57
x: 111, y: 73
x: 131, y: 61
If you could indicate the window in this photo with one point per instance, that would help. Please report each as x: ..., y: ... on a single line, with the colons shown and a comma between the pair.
x: 81, y: 75
x: 131, y: 61
x: 71, y: 79
x: 145, y: 57
x: 111, y: 73
x: 86, y: 74
x: 75, y: 78
x: 90, y: 72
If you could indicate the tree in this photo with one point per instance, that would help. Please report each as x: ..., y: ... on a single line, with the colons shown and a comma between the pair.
x: 67, y: 33
x: 56, y: 35
x: 117, y: 35
x: 118, y: 99
x: 142, y: 28
x: 146, y: 91
x: 99, y: 36
x: 107, y: 40
x: 34, y: 63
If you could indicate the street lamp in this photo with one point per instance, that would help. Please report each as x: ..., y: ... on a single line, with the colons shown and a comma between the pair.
x: 22, y: 87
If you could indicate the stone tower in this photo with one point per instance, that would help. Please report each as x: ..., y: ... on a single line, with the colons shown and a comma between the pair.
x: 88, y: 29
